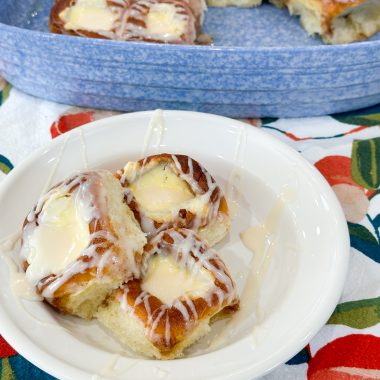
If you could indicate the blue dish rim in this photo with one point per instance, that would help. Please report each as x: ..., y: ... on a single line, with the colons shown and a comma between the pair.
x: 354, y: 47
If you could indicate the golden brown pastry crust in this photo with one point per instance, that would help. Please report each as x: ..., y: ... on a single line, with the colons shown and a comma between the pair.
x: 327, y: 12
x: 328, y: 8
x: 102, y: 241
x: 199, y: 181
x: 192, y: 11
x: 156, y: 316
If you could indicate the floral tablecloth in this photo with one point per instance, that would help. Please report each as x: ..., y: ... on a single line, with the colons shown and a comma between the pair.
x: 346, y: 150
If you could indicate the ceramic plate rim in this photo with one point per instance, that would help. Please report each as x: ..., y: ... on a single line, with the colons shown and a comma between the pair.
x: 50, y: 363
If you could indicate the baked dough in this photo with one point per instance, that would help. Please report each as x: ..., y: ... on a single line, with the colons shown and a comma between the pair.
x: 80, y: 242
x: 162, y: 315
x: 336, y: 21
x: 165, y: 21
x: 173, y: 190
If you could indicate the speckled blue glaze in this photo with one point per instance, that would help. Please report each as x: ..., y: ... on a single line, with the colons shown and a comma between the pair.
x: 261, y: 64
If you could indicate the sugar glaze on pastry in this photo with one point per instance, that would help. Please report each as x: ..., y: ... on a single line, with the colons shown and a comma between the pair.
x: 166, y: 280
x: 161, y: 322
x: 86, y: 253
x: 169, y: 190
x: 168, y: 21
x: 80, y: 241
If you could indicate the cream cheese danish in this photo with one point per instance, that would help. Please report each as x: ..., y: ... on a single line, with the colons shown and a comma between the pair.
x: 183, y: 285
x: 80, y: 242
x: 336, y: 21
x: 165, y: 21
x: 173, y: 190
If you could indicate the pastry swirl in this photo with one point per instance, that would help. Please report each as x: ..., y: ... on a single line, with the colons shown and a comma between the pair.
x: 81, y: 241
x: 165, y: 21
x: 198, y: 202
x: 158, y: 329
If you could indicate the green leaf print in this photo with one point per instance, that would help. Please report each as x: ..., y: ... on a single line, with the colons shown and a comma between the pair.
x: 268, y: 120
x: 376, y: 221
x: 6, y: 370
x: 357, y: 314
x: 363, y: 240
x: 359, y: 231
x: 5, y: 165
x: 369, y: 117
x: 365, y: 163
x: 5, y: 93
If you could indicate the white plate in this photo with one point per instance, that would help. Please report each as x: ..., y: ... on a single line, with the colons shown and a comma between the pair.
x: 291, y: 298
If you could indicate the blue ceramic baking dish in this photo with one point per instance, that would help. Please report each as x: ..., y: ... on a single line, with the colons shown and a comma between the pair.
x: 262, y: 63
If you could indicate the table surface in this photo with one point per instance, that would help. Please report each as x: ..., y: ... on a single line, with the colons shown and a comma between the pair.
x: 345, y: 148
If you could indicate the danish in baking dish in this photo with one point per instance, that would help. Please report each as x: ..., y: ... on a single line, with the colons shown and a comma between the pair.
x: 336, y: 21
x: 166, y: 21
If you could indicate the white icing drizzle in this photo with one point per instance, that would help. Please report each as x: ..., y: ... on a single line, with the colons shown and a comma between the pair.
x: 157, y: 125
x: 55, y: 166
x: 167, y: 330
x: 193, y: 255
x: 191, y: 305
x: 130, y: 21
x: 204, y: 198
x: 138, y: 12
x: 124, y: 300
x: 84, y: 148
x: 64, y: 188
x: 150, y: 330
x: 94, y: 259
x: 19, y: 286
x: 128, y: 195
x: 121, y: 175
x: 147, y: 306
x: 141, y: 171
x: 189, y: 178
x: 182, y: 309
x: 204, y: 210
x: 148, y: 226
x: 94, y: 208
x: 105, y: 259
x: 235, y: 178
x: 7, y: 244
x: 140, y: 298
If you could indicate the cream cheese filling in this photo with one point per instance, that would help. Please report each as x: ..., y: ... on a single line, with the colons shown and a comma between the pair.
x: 167, y: 280
x: 91, y: 15
x: 58, y: 240
x: 163, y: 20
x: 160, y: 189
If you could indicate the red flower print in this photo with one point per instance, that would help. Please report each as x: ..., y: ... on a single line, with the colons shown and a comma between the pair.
x: 5, y: 349
x: 336, y: 170
x: 353, y: 357
x: 353, y: 197
x: 68, y: 122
